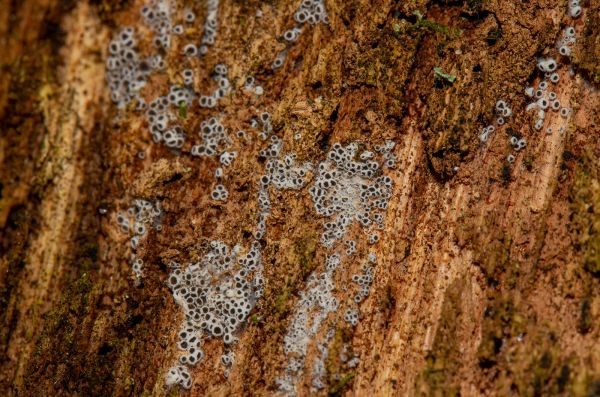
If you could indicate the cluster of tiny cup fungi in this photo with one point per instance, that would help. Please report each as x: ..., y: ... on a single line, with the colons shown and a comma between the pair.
x: 348, y: 190
x: 136, y: 222
x: 544, y: 96
x: 281, y: 173
x: 216, y: 295
x: 128, y: 72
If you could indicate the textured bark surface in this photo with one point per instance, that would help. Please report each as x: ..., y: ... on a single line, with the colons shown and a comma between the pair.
x: 487, y: 274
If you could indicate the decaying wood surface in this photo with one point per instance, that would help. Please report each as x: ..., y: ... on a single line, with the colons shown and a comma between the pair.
x: 487, y: 275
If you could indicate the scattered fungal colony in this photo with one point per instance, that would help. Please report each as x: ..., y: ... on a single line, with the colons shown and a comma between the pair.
x: 349, y: 186
x: 217, y: 293
x: 543, y: 96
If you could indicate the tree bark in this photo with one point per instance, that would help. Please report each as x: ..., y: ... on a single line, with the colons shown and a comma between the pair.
x: 486, y: 280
